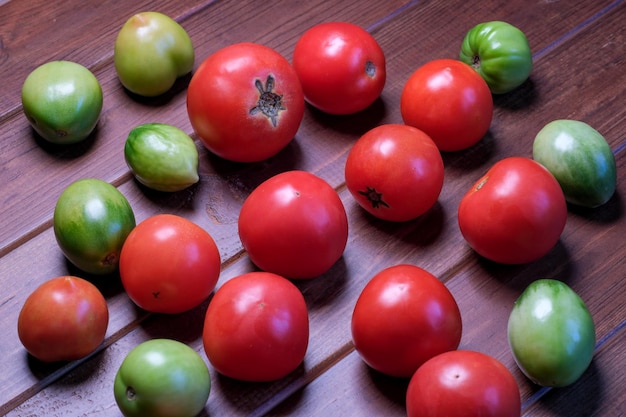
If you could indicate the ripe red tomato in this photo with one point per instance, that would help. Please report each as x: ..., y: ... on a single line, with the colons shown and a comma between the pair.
x: 450, y: 102
x: 245, y: 102
x: 341, y: 67
x: 395, y: 172
x: 64, y: 319
x: 403, y: 317
x: 515, y: 213
x: 294, y: 225
x: 169, y: 264
x: 463, y: 383
x: 256, y: 327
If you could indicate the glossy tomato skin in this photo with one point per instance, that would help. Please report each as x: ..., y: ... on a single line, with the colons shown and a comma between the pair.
x: 256, y: 327
x: 463, y: 383
x: 500, y: 53
x: 64, y: 319
x: 341, y: 67
x: 169, y: 264
x: 395, y: 172
x: 515, y: 213
x: 245, y: 102
x: 551, y: 333
x: 294, y: 225
x: 162, y: 378
x: 449, y: 101
x: 403, y: 317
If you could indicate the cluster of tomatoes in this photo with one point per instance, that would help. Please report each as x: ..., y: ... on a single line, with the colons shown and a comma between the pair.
x: 514, y: 214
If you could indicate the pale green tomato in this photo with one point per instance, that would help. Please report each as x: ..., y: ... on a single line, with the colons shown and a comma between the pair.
x: 162, y: 378
x: 551, y: 333
x: 162, y: 157
x: 580, y: 159
x: 62, y: 101
x: 151, y: 51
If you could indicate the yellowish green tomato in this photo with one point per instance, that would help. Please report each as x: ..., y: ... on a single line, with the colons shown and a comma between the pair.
x: 162, y: 157
x: 500, y: 53
x: 151, y: 51
x: 162, y: 378
x: 91, y: 220
x: 580, y: 159
x: 62, y: 101
x: 551, y: 333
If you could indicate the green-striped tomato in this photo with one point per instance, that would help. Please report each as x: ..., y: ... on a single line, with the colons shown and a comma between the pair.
x: 162, y: 157
x: 551, y: 333
x: 92, y: 219
x: 580, y: 159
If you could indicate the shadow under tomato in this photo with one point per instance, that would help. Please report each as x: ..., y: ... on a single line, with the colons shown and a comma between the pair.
x: 392, y: 388
x: 324, y: 289
x: 520, y: 98
x: 609, y: 212
x: 73, y: 372
x: 180, y: 86
x: 478, y: 156
x: 68, y: 151
x: 108, y: 284
x: 355, y: 124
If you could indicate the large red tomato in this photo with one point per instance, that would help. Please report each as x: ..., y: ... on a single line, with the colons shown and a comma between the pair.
x: 256, y: 327
x: 463, y: 383
x: 65, y: 318
x: 403, y: 317
x: 450, y: 102
x: 294, y: 225
x: 395, y: 172
x: 341, y: 67
x: 169, y: 264
x: 515, y: 213
x: 245, y: 102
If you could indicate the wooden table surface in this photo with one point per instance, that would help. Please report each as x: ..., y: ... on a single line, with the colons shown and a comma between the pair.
x: 579, y: 73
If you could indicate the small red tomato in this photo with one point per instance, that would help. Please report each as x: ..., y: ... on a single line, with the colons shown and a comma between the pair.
x: 256, y: 327
x: 294, y: 225
x: 403, y: 317
x: 341, y: 67
x: 463, y: 383
x: 515, y: 213
x: 245, y: 102
x: 64, y: 319
x: 395, y: 172
x: 450, y: 102
x: 169, y: 264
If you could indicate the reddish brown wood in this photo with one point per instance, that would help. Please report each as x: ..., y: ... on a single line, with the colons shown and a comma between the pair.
x: 578, y: 73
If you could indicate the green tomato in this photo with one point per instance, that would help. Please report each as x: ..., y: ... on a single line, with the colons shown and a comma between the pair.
x: 151, y: 51
x: 551, y: 333
x: 500, y: 53
x: 162, y: 157
x: 162, y: 378
x: 62, y: 101
x: 580, y: 159
x: 91, y: 222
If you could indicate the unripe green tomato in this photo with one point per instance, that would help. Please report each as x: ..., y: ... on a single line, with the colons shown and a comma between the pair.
x: 151, y: 51
x: 500, y: 53
x: 162, y: 378
x: 91, y: 220
x: 162, y: 157
x: 62, y: 101
x: 551, y: 333
x: 580, y: 159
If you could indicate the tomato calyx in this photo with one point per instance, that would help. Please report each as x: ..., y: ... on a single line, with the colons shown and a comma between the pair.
x: 374, y: 197
x: 131, y: 394
x: 370, y: 69
x: 481, y: 183
x: 269, y: 102
x: 476, y: 62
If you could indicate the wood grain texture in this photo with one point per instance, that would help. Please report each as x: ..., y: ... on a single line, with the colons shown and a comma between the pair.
x: 579, y: 60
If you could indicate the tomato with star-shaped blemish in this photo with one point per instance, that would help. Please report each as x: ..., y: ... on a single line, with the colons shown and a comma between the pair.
x: 245, y: 102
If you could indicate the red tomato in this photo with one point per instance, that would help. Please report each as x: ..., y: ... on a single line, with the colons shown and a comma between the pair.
x: 245, y: 102
x: 515, y: 213
x: 403, y: 317
x: 256, y: 327
x: 463, y: 383
x: 169, y: 264
x: 450, y: 102
x: 341, y: 67
x: 294, y: 225
x: 64, y: 319
x: 395, y: 172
